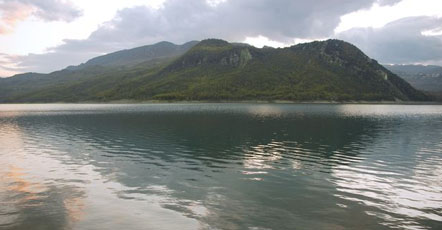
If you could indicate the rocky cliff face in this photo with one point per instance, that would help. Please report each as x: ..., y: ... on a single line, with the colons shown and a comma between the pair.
x: 214, y: 52
x: 237, y: 58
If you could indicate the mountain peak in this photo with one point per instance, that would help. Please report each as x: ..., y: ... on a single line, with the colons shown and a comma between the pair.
x: 325, y: 44
x: 161, y: 43
x: 213, y: 42
x: 216, y: 52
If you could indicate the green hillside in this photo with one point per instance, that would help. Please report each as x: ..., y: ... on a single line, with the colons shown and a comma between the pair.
x: 217, y: 70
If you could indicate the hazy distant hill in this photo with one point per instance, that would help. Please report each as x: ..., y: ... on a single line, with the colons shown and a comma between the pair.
x: 417, y: 70
x: 130, y: 57
x: 217, y: 70
x: 426, y: 78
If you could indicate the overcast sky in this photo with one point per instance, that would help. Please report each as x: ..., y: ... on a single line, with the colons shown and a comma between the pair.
x: 47, y: 35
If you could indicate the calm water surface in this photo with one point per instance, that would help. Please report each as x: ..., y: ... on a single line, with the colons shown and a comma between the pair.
x: 220, y: 166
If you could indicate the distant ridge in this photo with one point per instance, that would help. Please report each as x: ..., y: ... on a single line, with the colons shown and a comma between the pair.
x: 138, y: 55
x: 214, y: 70
x: 427, y: 78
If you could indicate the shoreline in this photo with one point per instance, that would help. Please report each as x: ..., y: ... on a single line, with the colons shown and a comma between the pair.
x: 237, y: 102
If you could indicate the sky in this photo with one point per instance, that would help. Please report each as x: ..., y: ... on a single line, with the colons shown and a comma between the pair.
x: 48, y: 35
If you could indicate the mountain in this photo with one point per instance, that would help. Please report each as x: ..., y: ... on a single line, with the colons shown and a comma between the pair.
x: 161, y: 50
x: 102, y: 71
x: 214, y: 69
x: 218, y: 70
x: 423, y: 77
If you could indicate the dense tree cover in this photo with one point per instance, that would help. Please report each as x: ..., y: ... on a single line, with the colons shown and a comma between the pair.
x: 217, y: 70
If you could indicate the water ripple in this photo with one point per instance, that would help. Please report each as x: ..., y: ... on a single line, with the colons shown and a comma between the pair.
x: 220, y: 166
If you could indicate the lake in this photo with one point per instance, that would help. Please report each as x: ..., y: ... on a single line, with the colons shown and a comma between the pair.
x: 220, y: 166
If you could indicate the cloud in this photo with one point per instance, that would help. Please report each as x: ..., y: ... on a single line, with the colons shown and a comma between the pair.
x: 402, y: 41
x: 54, y: 10
x: 7, y: 67
x: 181, y: 21
x: 234, y: 20
x: 387, y: 2
x: 14, y: 11
x: 408, y: 40
x: 11, y: 13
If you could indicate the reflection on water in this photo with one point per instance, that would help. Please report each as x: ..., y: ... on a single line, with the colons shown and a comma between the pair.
x: 220, y: 166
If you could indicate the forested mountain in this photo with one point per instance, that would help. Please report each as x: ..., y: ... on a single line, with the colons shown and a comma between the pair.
x: 214, y: 69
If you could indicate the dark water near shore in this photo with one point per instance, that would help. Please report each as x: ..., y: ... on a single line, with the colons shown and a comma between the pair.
x: 220, y: 166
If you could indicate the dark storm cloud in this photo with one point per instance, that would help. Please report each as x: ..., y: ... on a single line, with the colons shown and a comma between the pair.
x: 401, y: 41
x: 181, y: 21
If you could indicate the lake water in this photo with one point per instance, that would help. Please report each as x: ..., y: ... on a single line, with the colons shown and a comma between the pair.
x: 220, y: 166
